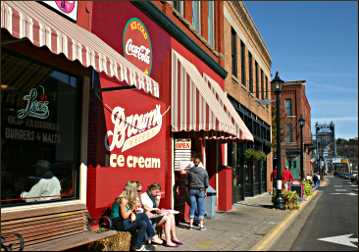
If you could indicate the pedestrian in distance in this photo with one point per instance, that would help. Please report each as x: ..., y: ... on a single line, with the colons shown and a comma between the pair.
x: 197, y: 186
x: 287, y: 178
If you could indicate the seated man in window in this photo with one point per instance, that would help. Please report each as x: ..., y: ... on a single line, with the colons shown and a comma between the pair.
x: 48, y: 186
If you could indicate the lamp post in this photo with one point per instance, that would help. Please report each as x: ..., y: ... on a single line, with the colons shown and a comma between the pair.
x: 277, y: 84
x: 301, y: 124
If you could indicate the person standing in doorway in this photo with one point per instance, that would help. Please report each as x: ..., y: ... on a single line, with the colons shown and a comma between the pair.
x: 197, y: 185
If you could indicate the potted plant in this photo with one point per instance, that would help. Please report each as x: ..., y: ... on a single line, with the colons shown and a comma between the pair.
x: 291, y: 200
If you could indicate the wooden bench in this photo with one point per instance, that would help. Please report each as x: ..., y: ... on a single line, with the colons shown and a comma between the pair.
x: 51, y: 229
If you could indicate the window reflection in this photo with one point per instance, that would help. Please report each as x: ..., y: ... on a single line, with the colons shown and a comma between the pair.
x: 40, y: 133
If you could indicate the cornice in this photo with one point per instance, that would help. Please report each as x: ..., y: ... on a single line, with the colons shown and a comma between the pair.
x: 241, y: 10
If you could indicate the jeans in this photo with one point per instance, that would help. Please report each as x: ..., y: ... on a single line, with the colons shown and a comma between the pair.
x: 141, y: 226
x: 197, y: 197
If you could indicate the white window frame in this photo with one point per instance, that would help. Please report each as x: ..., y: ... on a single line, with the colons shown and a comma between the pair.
x: 83, y: 158
x: 181, y: 6
x: 211, y: 41
x: 199, y: 16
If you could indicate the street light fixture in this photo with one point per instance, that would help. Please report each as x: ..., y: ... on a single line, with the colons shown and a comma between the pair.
x: 279, y: 201
x: 301, y: 124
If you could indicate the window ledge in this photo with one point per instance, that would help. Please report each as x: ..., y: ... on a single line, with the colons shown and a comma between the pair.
x: 198, y: 35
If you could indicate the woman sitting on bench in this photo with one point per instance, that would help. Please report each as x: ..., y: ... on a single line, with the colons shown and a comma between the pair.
x: 125, y: 218
x: 165, y: 219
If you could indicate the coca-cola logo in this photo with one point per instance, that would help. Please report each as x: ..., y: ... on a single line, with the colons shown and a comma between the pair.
x: 136, y: 43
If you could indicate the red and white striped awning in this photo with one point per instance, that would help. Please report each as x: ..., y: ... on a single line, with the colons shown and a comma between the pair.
x: 195, y: 107
x: 221, y: 96
x: 43, y: 27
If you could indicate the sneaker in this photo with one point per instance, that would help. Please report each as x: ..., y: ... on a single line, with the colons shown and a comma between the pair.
x: 202, y: 228
x: 142, y: 248
x: 190, y: 227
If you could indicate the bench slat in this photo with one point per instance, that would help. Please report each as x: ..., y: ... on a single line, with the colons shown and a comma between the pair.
x: 73, y: 241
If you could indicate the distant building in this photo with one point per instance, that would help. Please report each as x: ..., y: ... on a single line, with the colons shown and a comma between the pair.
x: 294, y: 103
x: 325, y: 143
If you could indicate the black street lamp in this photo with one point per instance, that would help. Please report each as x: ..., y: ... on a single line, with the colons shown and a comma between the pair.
x: 277, y: 86
x: 301, y: 124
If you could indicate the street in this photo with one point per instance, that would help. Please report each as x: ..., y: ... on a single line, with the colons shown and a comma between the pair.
x: 330, y: 224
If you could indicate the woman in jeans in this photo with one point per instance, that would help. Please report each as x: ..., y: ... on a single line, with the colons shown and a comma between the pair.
x: 124, y: 217
x: 197, y: 184
x: 151, y: 201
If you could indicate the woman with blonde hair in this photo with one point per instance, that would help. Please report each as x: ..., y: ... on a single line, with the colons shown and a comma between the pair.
x: 150, y: 201
x: 125, y: 218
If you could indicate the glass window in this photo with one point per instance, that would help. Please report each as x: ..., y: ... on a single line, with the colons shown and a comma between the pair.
x: 262, y: 83
x: 267, y: 87
x: 257, y: 81
x: 290, y: 133
x: 250, y: 65
x: 178, y: 6
x: 40, y: 133
x: 288, y: 107
x: 211, y: 36
x: 234, y: 52
x: 243, y: 63
x: 196, y: 15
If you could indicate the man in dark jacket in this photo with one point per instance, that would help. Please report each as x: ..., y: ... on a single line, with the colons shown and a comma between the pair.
x: 197, y: 185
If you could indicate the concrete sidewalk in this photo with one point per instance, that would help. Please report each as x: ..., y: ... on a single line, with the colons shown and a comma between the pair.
x: 240, y: 229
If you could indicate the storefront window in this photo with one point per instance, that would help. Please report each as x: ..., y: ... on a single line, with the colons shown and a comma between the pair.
x: 40, y: 132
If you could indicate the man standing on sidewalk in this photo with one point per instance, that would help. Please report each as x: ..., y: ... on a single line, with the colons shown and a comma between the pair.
x: 197, y: 185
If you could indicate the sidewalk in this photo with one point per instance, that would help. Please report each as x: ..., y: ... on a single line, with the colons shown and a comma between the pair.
x: 241, y: 229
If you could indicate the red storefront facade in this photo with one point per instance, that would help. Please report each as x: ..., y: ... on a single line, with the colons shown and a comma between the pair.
x: 147, y: 155
x: 136, y: 154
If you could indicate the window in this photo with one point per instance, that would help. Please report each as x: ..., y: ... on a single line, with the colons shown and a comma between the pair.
x: 257, y: 81
x: 234, y: 52
x: 40, y: 118
x: 196, y: 15
x: 243, y: 63
x: 267, y: 91
x: 288, y: 107
x: 262, y: 83
x: 250, y: 65
x: 178, y: 6
x: 211, y: 35
x: 289, y: 133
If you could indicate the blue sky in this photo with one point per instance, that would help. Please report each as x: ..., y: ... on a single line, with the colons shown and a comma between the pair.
x: 315, y: 41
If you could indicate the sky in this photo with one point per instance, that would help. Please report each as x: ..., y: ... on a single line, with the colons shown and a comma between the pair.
x: 315, y: 41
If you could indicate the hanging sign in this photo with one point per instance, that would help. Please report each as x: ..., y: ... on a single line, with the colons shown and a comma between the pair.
x: 67, y: 8
x: 136, y: 44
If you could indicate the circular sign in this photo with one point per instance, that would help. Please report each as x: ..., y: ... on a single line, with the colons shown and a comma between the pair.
x: 66, y: 6
x: 136, y: 44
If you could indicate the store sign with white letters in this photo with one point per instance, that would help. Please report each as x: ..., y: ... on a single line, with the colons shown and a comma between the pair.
x: 130, y: 131
x: 36, y: 106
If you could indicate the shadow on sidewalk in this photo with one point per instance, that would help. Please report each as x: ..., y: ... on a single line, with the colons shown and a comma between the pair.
x: 256, y: 205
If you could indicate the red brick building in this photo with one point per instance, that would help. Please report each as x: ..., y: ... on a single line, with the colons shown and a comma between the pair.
x: 294, y: 104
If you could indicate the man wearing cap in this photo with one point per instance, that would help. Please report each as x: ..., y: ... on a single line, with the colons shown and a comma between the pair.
x: 47, y: 188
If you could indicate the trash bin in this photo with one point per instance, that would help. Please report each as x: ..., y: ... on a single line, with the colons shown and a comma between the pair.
x: 210, y: 202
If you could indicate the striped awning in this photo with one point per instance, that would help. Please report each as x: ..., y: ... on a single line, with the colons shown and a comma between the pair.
x: 222, y: 98
x: 195, y: 107
x: 43, y: 27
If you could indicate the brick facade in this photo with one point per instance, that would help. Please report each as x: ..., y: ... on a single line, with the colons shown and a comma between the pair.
x: 294, y: 91
x: 237, y: 17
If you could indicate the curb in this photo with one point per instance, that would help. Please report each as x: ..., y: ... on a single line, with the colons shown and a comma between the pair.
x: 271, y: 237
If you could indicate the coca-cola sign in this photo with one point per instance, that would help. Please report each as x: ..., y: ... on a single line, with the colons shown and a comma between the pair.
x: 136, y: 44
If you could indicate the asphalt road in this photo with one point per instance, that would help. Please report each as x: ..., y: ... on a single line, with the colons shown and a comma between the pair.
x: 333, y: 213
